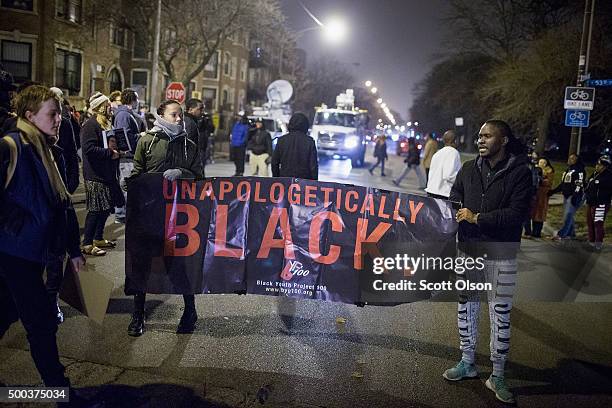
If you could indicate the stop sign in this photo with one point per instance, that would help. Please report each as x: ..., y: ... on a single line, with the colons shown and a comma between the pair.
x: 176, y: 91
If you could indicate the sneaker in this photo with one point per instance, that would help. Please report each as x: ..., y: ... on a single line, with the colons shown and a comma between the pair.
x: 395, y: 182
x: 371, y: 172
x: 461, y: 371
x: 499, y: 387
x: 104, y: 243
x: 137, y: 325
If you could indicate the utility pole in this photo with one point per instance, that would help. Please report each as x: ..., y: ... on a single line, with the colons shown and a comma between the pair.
x: 155, y: 67
x: 583, y: 66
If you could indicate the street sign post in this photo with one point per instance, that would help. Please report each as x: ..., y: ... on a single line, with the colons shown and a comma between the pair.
x: 577, y: 118
x: 176, y: 91
x: 577, y: 97
x: 599, y: 82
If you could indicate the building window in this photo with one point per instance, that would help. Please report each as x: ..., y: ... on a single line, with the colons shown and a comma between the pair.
x: 140, y: 81
x: 227, y: 64
x: 140, y: 50
x: 234, y: 67
x: 211, y: 69
x: 69, y: 10
x: 225, y: 99
x: 68, y: 71
x: 209, y: 97
x: 190, y: 89
x: 114, y: 78
x: 118, y: 36
x: 25, y: 5
x: 243, y: 70
x: 16, y: 58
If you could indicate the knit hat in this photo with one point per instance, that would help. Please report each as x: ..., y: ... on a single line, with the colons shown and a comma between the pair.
x: 605, y: 160
x: 97, y: 99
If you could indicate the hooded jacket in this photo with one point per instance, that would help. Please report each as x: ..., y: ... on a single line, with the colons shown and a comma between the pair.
x: 599, y: 188
x: 502, y: 205
x: 296, y: 153
x: 156, y: 153
x: 240, y: 134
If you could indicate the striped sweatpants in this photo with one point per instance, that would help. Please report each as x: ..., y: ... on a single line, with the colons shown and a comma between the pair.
x: 502, y: 275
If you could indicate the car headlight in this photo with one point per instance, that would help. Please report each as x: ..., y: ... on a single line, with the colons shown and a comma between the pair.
x: 351, y: 142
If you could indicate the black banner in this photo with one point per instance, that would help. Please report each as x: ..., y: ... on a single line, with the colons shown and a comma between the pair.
x: 276, y: 236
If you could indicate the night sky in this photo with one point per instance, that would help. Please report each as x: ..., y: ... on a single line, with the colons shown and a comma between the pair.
x: 394, y: 41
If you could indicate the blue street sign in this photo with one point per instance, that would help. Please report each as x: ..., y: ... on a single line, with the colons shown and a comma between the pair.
x: 577, y: 118
x: 599, y: 82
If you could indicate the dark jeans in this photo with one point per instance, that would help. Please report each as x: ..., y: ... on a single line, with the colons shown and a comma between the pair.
x: 94, y: 226
x: 380, y: 161
x: 239, y: 155
x: 537, y: 229
x: 29, y: 301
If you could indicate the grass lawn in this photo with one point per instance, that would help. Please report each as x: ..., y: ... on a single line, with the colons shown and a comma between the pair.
x: 555, y: 212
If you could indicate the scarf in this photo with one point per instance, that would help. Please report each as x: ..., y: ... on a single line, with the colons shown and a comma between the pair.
x: 34, y: 137
x: 171, y: 129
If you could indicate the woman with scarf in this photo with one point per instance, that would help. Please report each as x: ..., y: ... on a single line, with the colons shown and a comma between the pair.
x: 166, y: 149
x: 100, y: 172
x: 34, y: 207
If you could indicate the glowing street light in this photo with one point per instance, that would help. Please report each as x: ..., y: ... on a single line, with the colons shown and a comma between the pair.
x: 409, y: 123
x: 374, y: 90
x: 334, y: 30
x: 383, y: 105
x: 368, y: 83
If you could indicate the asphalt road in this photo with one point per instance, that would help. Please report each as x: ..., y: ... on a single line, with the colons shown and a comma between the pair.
x: 249, y: 350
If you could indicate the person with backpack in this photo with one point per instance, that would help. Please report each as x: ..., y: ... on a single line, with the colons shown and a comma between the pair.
x: 34, y: 207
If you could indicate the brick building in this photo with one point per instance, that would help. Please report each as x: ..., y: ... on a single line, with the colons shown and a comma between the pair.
x: 52, y: 41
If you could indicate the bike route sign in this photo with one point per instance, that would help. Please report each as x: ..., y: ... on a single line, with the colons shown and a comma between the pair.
x: 577, y: 118
x: 579, y: 98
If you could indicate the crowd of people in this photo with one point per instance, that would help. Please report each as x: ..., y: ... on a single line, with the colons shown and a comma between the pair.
x: 497, y: 195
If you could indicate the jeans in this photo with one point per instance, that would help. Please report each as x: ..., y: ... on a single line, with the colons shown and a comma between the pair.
x: 94, y: 226
x: 568, y: 219
x: 380, y: 161
x: 502, y: 275
x: 417, y: 170
x: 125, y: 169
x: 239, y: 153
x: 30, y: 303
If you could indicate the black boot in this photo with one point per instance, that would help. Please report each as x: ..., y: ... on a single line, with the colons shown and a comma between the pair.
x: 137, y: 324
x: 189, y: 317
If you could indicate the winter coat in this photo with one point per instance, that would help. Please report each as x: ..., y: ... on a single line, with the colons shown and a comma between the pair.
x: 240, y: 134
x: 380, y: 150
x: 32, y: 222
x: 260, y: 142
x: 98, y: 162
x: 598, y: 188
x: 156, y: 153
x: 540, y: 208
x: 413, y: 157
x: 502, y: 205
x: 66, y: 142
x: 296, y: 153
x: 126, y: 119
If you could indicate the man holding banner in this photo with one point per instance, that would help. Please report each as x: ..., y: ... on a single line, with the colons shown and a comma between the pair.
x: 494, y: 190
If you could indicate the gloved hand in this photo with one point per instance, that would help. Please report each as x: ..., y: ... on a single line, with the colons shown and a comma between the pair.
x: 172, y: 174
x: 268, y: 160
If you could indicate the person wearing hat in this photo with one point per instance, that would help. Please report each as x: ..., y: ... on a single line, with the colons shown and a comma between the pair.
x: 598, y: 194
x: 100, y: 172
x: 260, y: 145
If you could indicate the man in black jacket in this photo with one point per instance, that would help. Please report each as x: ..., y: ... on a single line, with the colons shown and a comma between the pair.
x: 572, y: 186
x: 296, y: 153
x: 494, y: 190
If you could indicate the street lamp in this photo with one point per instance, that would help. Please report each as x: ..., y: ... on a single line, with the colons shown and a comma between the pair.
x: 368, y: 84
x: 374, y: 90
x: 334, y: 30
x: 379, y: 100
